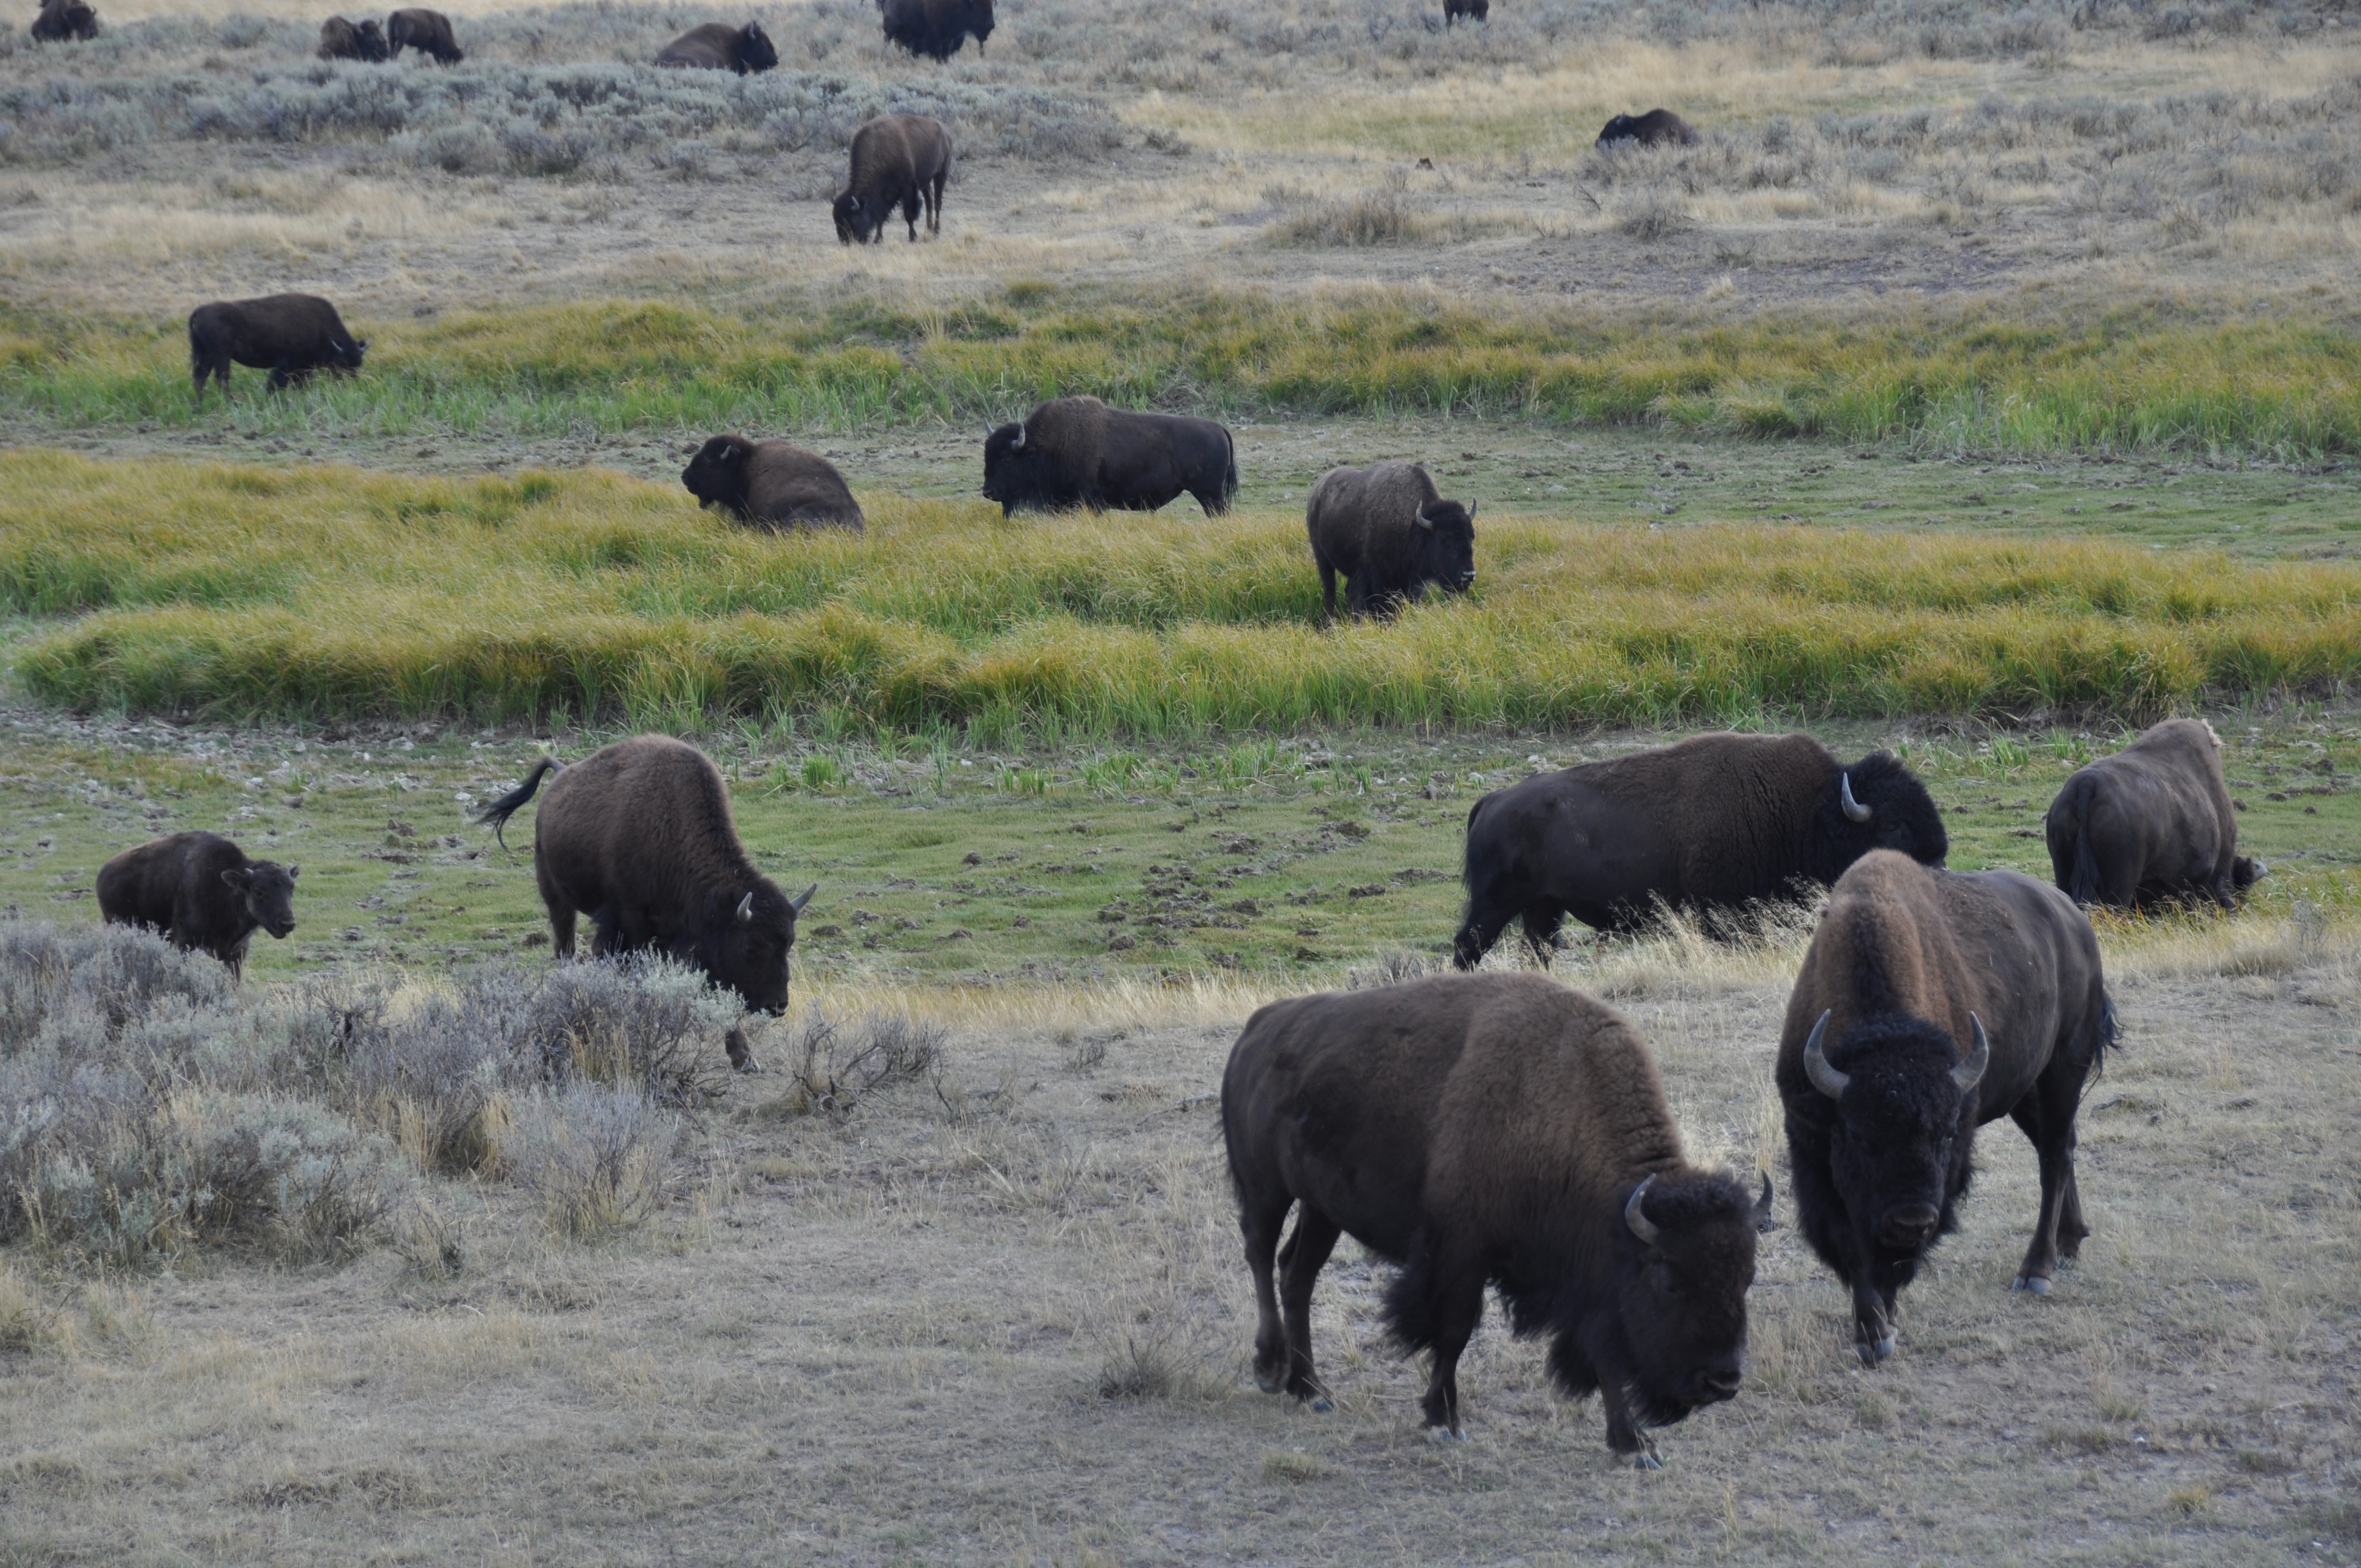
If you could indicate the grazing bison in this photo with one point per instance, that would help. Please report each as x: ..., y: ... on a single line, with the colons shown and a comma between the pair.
x: 1655, y: 128
x: 1473, y: 10
x: 717, y: 46
x: 1391, y: 532
x: 935, y: 27
x: 899, y: 160
x: 638, y: 836
x: 1489, y: 1129
x: 428, y: 32
x: 770, y: 484
x: 1077, y: 451
x: 342, y: 39
x: 60, y: 21
x: 1712, y: 823
x: 201, y: 891
x: 289, y: 335
x: 2153, y: 824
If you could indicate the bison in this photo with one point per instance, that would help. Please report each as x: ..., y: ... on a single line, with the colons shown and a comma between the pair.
x: 342, y: 39
x: 60, y: 21
x: 2153, y: 824
x: 1930, y: 1003
x: 428, y: 32
x: 897, y: 160
x: 1657, y: 128
x: 935, y: 27
x: 289, y: 335
x: 201, y: 893
x: 1391, y: 532
x: 1712, y: 824
x: 1473, y: 10
x: 717, y: 46
x: 1077, y: 451
x: 770, y: 484
x: 1489, y: 1129
x: 638, y: 836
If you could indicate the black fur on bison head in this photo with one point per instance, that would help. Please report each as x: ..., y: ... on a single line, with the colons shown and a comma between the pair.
x: 266, y: 889
x: 1446, y: 545
x: 717, y: 475
x: 754, y: 50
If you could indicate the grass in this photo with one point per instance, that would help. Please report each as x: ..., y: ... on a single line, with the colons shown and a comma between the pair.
x: 325, y: 593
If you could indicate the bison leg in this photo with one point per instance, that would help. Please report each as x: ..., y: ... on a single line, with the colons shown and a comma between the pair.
x: 1260, y: 1226
x: 935, y: 207
x: 1454, y: 1306
x: 1873, y: 1316
x: 1542, y: 922
x: 1476, y: 933
x: 1624, y: 1433
x: 1327, y: 592
x: 2047, y: 1117
x: 1300, y: 1262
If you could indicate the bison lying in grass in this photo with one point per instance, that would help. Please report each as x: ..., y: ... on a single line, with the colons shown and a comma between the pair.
x: 1077, y: 451
x: 60, y: 20
x: 291, y: 336
x: 770, y: 484
x: 717, y: 46
x: 1657, y: 128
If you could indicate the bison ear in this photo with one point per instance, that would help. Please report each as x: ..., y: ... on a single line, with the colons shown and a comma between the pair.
x: 799, y: 900
x: 236, y: 877
x: 293, y: 871
x: 746, y: 910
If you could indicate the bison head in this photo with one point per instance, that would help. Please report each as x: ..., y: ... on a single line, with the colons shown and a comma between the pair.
x: 1905, y: 1113
x: 1877, y: 803
x: 266, y: 891
x: 977, y: 15
x: 2245, y: 872
x: 1620, y: 128
x: 347, y: 359
x: 1685, y: 1258
x: 855, y: 223
x: 370, y: 39
x: 746, y: 943
x: 717, y: 475
x: 1446, y: 545
x: 1012, y: 468
x: 752, y: 49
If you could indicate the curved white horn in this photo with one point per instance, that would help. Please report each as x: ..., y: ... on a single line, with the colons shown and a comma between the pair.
x: 1471, y: 511
x: 1825, y: 1079
x: 1636, y: 1218
x: 1971, y: 1073
x: 1762, y: 1220
x: 1018, y: 445
x: 1852, y: 808
x: 799, y: 900
x: 746, y: 910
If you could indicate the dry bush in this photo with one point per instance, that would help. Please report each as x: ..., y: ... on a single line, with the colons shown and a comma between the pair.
x: 1393, y: 968
x: 834, y: 1065
x: 596, y: 1160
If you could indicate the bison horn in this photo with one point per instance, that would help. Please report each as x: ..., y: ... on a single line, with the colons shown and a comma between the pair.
x: 1471, y: 511
x: 1018, y: 445
x: 799, y: 900
x: 1636, y: 1218
x: 1852, y: 808
x: 1971, y: 1073
x: 746, y: 910
x: 1825, y: 1079
x: 293, y: 871
x: 1762, y: 1220
x: 1423, y: 521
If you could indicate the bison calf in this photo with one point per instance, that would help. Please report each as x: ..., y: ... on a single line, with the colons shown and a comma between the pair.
x: 770, y: 484
x: 201, y: 891
x: 2153, y: 824
x: 1077, y: 451
x: 1489, y: 1129
x: 897, y: 160
x: 717, y: 46
x: 342, y: 39
x: 428, y: 32
x: 1657, y: 128
x: 1391, y: 532
x: 937, y: 28
x: 60, y: 21
x: 1930, y: 1004
x: 289, y: 335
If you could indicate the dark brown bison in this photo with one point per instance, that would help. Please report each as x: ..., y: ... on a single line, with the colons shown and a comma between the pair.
x: 1489, y: 1129
x: 899, y: 160
x: 1077, y: 451
x: 1711, y: 825
x: 341, y: 39
x: 201, y: 891
x: 2153, y: 824
x: 60, y: 21
x: 770, y: 484
x: 935, y: 27
x: 1657, y: 128
x: 1391, y: 532
x: 289, y: 335
x: 639, y: 836
x: 1931, y: 1002
x: 717, y: 46
x: 1473, y: 10
x: 428, y: 32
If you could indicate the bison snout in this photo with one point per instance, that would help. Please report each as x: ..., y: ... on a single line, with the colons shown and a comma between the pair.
x: 1467, y: 580
x: 1909, y: 1227
x: 1716, y: 1384
x: 279, y: 928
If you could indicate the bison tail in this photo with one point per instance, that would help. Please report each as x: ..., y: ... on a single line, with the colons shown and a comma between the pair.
x: 1230, y: 475
x: 499, y: 812
x: 2105, y: 1037
x: 2083, y: 880
x: 2072, y: 860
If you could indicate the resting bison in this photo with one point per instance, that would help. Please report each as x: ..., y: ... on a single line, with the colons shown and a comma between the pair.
x: 1474, y: 10
x: 717, y: 46
x: 770, y: 484
x: 428, y: 32
x: 1391, y: 532
x: 935, y: 27
x: 1077, y: 451
x: 638, y: 836
x: 289, y: 335
x: 2153, y: 824
x: 1489, y: 1129
x: 1712, y: 823
x: 341, y: 39
x: 1654, y: 128
x: 60, y: 21
x: 201, y: 891
x: 1950, y: 1000
x: 899, y: 160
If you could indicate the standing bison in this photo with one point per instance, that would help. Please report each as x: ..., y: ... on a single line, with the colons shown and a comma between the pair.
x: 717, y: 46
x: 1500, y: 1130
x: 1077, y: 451
x: 935, y: 27
x: 343, y: 39
x: 60, y: 21
x: 1712, y: 823
x: 1930, y: 1004
x: 899, y: 160
x: 291, y: 336
x: 1657, y: 128
x: 1473, y: 10
x: 638, y: 836
x: 428, y: 32
x: 1391, y: 532
x: 770, y: 484
x: 2153, y: 824
x: 201, y: 893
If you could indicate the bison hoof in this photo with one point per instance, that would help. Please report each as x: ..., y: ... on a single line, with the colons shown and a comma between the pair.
x: 1321, y: 1404
x: 1444, y: 1434
x: 2034, y: 1283
x: 1268, y: 1385
x: 1646, y: 1460
x: 1874, y: 1350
